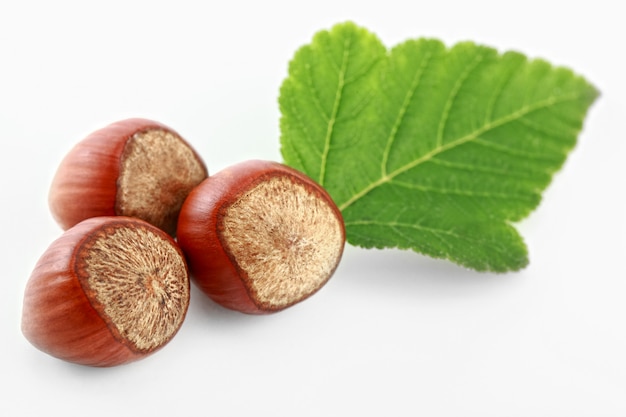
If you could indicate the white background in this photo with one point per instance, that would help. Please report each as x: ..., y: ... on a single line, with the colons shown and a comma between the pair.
x: 393, y: 333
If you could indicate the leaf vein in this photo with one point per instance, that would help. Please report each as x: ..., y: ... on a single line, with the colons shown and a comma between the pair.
x: 302, y: 125
x: 403, y: 109
x: 565, y: 135
x: 365, y: 71
x: 335, y: 111
x: 453, y: 191
x: 479, y: 168
x: 499, y: 90
x: 315, y: 95
x: 419, y: 227
x: 512, y: 151
x: 445, y: 115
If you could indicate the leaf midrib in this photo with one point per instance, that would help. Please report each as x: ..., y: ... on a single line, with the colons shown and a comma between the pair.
x: 440, y: 149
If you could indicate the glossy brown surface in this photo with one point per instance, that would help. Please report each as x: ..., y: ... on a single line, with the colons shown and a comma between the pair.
x: 201, y: 225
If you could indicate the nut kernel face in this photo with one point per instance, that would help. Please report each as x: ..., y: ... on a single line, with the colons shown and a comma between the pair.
x: 157, y: 172
x: 137, y: 281
x: 285, y: 240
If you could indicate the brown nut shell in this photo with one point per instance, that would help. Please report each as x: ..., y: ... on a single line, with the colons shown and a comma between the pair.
x: 260, y: 236
x: 109, y: 291
x: 134, y: 167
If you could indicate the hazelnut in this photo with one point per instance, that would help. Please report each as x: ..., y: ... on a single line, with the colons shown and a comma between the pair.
x: 135, y: 167
x: 109, y: 291
x: 260, y: 236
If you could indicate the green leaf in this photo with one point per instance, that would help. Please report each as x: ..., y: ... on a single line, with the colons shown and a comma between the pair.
x: 430, y: 148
